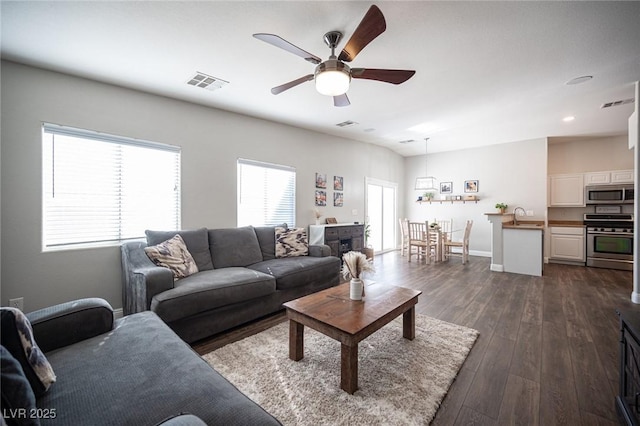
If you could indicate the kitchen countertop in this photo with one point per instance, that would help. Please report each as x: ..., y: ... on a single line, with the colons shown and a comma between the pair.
x: 568, y: 223
x: 532, y: 225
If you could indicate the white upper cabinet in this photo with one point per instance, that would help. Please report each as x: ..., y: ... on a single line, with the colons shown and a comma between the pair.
x: 615, y: 176
x: 597, y: 178
x: 566, y: 190
x: 622, y: 176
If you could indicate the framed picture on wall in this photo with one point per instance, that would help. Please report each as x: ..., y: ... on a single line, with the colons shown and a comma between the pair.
x: 338, y: 199
x: 321, y: 181
x: 446, y: 187
x: 338, y: 183
x: 470, y: 186
x: 321, y: 198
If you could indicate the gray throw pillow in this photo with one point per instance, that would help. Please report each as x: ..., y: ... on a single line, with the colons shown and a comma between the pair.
x: 234, y: 247
x: 196, y: 240
x: 18, y: 400
x: 267, y: 240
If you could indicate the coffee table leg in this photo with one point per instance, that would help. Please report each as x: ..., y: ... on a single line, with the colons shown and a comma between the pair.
x: 349, y: 368
x: 296, y: 340
x: 409, y: 324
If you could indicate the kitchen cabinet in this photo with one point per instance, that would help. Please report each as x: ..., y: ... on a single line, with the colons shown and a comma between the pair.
x: 568, y: 244
x: 608, y: 177
x: 566, y: 190
x: 622, y: 176
x: 522, y: 250
x: 597, y: 178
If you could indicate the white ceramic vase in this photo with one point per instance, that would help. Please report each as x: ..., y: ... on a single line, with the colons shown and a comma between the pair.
x: 355, y: 289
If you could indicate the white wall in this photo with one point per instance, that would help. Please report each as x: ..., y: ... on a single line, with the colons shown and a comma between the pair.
x: 211, y: 140
x: 513, y: 173
x: 590, y: 155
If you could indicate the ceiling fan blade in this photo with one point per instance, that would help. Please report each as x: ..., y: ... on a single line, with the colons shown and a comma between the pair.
x: 289, y: 85
x: 388, y: 76
x: 278, y: 41
x: 371, y: 26
x: 341, y: 100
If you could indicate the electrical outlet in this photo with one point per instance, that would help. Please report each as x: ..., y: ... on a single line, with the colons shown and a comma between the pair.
x: 17, y: 303
x: 529, y: 212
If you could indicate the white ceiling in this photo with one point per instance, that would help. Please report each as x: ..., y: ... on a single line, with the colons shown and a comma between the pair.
x: 486, y: 72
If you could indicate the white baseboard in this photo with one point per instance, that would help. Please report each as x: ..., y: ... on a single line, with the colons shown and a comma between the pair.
x: 118, y: 313
x: 497, y: 268
x: 480, y: 253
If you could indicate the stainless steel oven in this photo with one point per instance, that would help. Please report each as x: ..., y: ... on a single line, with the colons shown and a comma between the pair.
x: 610, y: 241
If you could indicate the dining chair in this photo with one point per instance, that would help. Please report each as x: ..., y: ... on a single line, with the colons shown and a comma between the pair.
x: 420, y: 239
x: 404, y: 232
x: 463, y: 245
x: 446, y: 226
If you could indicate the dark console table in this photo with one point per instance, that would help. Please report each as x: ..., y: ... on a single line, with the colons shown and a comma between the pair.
x: 628, y: 399
x: 341, y: 238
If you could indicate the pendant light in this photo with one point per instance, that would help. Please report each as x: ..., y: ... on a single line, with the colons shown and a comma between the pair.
x: 426, y: 182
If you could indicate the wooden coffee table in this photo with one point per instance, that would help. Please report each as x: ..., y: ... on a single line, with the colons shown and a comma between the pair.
x: 332, y: 313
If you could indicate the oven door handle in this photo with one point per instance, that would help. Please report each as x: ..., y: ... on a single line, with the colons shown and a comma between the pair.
x: 612, y: 234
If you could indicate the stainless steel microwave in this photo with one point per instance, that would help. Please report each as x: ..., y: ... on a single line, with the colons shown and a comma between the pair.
x: 609, y: 194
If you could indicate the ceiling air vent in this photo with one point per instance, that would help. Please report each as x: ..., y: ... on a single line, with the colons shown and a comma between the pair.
x: 206, y: 81
x: 407, y: 141
x: 347, y: 123
x: 617, y: 103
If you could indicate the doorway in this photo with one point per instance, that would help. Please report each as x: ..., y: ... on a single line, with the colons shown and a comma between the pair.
x: 381, y: 214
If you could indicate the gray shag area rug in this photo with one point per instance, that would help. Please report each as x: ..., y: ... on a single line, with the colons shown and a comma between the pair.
x: 400, y: 382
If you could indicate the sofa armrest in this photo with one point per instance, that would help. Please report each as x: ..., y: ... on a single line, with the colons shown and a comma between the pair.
x: 141, y: 278
x: 71, y: 322
x: 319, y: 250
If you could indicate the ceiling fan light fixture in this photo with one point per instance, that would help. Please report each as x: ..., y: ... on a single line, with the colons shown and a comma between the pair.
x: 332, y: 78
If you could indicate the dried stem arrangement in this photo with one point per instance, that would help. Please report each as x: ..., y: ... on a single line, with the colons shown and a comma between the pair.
x: 354, y: 264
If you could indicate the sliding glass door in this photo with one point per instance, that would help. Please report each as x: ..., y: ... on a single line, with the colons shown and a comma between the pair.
x: 381, y: 203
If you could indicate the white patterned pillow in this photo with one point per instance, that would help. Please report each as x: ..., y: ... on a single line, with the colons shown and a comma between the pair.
x: 291, y: 242
x: 17, y: 338
x: 173, y: 254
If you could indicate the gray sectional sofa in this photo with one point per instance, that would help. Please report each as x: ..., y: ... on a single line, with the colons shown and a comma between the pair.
x: 240, y: 279
x: 131, y: 371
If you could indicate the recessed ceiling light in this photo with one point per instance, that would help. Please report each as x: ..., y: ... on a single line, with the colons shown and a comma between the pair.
x: 568, y: 119
x: 579, y: 80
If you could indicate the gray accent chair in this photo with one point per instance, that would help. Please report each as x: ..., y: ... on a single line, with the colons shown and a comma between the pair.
x: 133, y: 371
x: 239, y: 279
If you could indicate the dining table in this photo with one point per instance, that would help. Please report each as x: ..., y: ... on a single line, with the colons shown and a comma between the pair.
x: 441, y: 237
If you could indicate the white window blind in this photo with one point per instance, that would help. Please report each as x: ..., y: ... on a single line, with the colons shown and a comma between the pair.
x: 266, y: 194
x: 103, y: 189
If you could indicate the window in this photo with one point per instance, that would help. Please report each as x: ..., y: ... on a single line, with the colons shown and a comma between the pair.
x: 102, y: 189
x: 266, y: 194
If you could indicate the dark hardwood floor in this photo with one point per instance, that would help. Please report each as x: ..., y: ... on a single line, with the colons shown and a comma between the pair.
x: 548, y: 347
